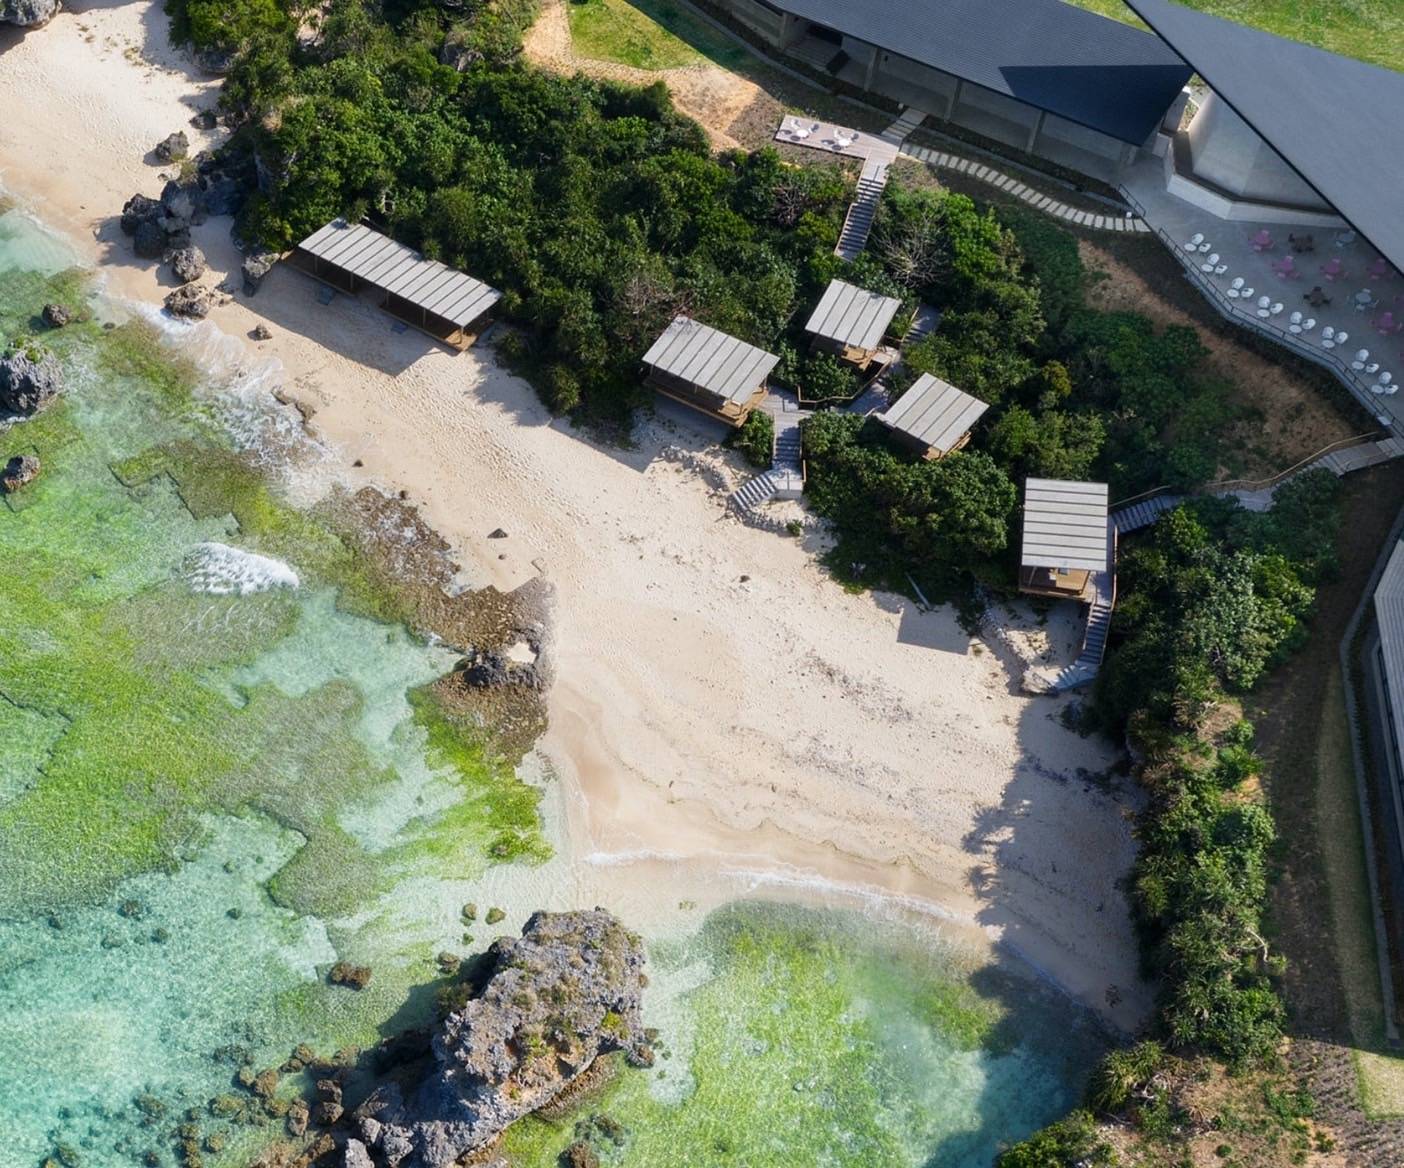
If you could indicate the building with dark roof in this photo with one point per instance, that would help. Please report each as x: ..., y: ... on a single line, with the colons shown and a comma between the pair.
x: 1289, y: 125
x: 709, y: 370
x: 1038, y: 75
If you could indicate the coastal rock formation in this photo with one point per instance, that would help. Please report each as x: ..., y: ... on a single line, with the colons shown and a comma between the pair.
x: 191, y: 302
x: 19, y: 472
x: 555, y: 999
x: 56, y: 315
x: 355, y: 977
x: 172, y: 148
x: 28, y: 13
x: 28, y: 382
x: 188, y: 264
x: 256, y: 265
x: 486, y: 668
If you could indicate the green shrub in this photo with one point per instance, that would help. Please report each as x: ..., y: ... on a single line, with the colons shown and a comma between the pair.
x: 755, y: 438
x: 1072, y: 1142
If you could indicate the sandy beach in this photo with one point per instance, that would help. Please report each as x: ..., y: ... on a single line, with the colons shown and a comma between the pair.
x: 718, y: 696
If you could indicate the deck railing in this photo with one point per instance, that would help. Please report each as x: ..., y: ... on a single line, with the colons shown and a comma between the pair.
x: 1233, y: 311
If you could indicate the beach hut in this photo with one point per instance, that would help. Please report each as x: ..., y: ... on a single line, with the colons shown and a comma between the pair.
x: 445, y: 303
x: 708, y: 370
x: 932, y: 417
x: 1067, y: 540
x: 850, y: 323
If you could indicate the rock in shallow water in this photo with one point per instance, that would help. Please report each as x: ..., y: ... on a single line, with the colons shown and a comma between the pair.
x: 28, y: 382
x: 565, y: 992
x: 56, y: 315
x: 19, y: 472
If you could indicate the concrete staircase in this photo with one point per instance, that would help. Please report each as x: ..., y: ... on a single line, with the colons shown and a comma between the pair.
x: 901, y: 129
x: 1138, y: 515
x: 858, y: 223
x: 924, y: 322
x: 785, y: 478
x: 753, y: 492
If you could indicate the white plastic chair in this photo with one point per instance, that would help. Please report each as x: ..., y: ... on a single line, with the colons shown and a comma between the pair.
x: 1221, y: 269
x: 1361, y: 356
x: 1391, y: 390
x: 1295, y: 318
x: 1205, y: 246
x: 1372, y: 368
x: 1342, y: 338
x: 1247, y: 293
x: 1276, y: 309
x: 1386, y: 377
x: 1328, y: 333
x: 1264, y: 301
x: 1308, y: 324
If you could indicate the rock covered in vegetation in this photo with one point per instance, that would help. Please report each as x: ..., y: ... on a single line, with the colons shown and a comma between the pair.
x: 29, y: 380
x: 355, y: 977
x: 555, y: 999
x: 56, y: 315
x: 19, y: 472
x: 172, y: 148
x: 28, y: 13
x: 188, y: 264
x: 190, y: 302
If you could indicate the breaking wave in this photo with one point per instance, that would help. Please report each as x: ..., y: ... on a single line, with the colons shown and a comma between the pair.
x: 221, y: 570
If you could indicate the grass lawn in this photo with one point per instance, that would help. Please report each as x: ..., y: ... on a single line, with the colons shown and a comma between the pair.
x: 647, y: 34
x: 1372, y: 30
x: 1381, y: 1075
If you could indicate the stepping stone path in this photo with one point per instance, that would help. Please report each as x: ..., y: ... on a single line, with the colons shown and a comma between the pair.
x: 1036, y: 199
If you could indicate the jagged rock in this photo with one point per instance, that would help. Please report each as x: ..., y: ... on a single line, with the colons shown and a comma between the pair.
x: 138, y: 210
x: 56, y: 315
x: 327, y: 1113
x: 173, y: 148
x: 180, y: 204
x: 28, y: 13
x: 354, y: 977
x: 261, y: 332
x: 29, y: 380
x: 256, y: 266
x: 497, y: 533
x: 354, y: 1155
x: 19, y: 472
x: 565, y: 992
x: 580, y: 1155
x: 188, y: 264
x: 205, y: 120
x: 298, y: 1115
x: 489, y: 669
x: 190, y: 301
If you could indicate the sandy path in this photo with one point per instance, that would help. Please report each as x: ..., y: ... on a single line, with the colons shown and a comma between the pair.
x: 718, y: 696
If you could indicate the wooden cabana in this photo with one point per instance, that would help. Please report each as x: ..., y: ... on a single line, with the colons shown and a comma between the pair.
x: 850, y: 323
x: 933, y: 418
x: 445, y: 303
x: 708, y: 370
x: 1066, y: 538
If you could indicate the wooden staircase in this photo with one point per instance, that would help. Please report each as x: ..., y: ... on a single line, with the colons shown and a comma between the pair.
x: 858, y: 223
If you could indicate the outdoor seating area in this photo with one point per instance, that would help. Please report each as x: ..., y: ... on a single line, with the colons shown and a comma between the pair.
x: 835, y: 139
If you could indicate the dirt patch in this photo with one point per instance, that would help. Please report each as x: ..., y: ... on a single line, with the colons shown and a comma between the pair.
x: 1287, y: 419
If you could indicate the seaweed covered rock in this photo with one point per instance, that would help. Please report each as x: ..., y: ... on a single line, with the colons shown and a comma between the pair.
x: 30, y: 378
x: 19, y: 472
x: 56, y: 315
x: 567, y: 991
x: 28, y: 13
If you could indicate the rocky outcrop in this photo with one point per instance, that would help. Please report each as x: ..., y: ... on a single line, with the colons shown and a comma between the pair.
x: 19, y: 472
x: 554, y: 1000
x: 56, y: 315
x: 172, y: 148
x: 28, y: 13
x: 256, y: 265
x: 188, y: 264
x: 190, y: 302
x: 29, y: 380
x: 355, y: 977
x: 163, y: 225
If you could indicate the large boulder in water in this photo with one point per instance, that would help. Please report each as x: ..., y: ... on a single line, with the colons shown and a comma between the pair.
x: 29, y: 380
x: 567, y: 991
x: 28, y: 13
x: 19, y: 472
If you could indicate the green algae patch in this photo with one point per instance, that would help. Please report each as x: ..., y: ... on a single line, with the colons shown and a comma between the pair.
x: 798, y: 1036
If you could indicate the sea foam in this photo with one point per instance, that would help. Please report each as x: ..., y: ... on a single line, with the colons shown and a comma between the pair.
x: 221, y: 570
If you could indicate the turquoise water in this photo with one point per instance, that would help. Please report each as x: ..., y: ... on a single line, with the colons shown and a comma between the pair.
x: 222, y: 769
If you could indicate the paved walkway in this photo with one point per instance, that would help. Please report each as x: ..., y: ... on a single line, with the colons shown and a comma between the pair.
x: 1107, y: 221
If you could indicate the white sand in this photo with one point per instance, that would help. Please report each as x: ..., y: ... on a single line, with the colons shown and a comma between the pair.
x: 777, y: 724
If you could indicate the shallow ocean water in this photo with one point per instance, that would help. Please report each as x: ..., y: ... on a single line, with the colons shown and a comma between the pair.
x: 217, y: 777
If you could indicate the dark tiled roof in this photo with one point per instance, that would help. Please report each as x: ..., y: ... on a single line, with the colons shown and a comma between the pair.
x: 1091, y: 70
x: 1338, y: 122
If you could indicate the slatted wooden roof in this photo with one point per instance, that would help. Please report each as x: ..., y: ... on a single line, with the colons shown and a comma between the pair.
x: 1065, y: 525
x: 401, y: 271
x: 710, y: 359
x: 852, y: 316
x: 936, y: 414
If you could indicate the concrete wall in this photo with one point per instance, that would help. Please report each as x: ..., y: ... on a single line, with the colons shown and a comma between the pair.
x: 996, y: 116
x: 763, y: 21
x: 897, y: 76
x: 1228, y: 153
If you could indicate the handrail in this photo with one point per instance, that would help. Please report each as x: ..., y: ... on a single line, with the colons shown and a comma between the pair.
x: 1232, y: 312
x: 1221, y: 485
